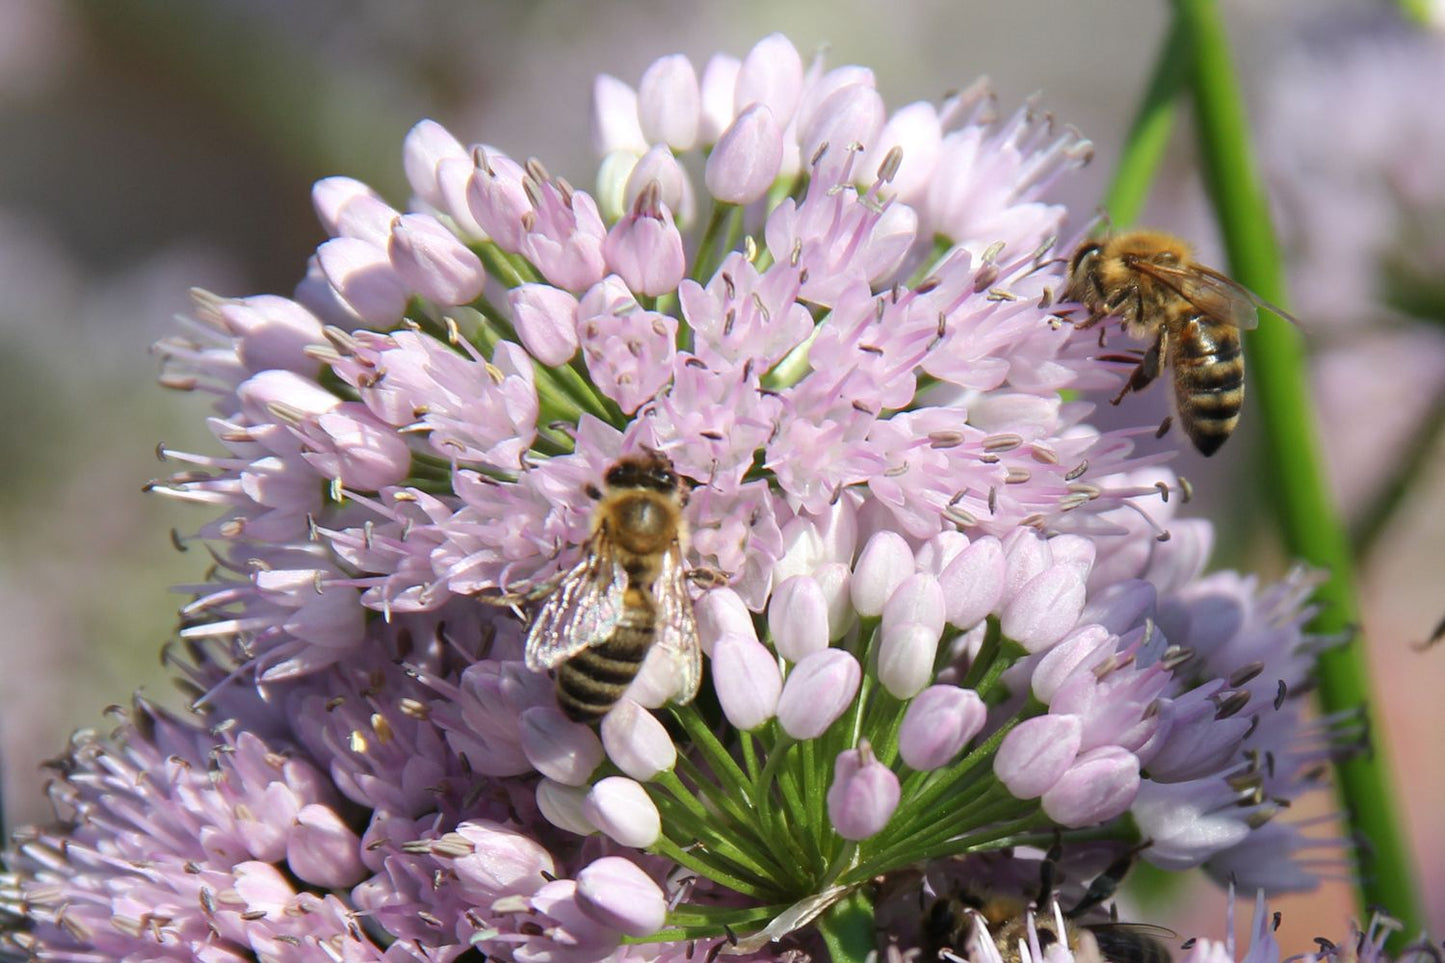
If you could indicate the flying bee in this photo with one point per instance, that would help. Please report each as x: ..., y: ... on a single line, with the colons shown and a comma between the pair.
x: 627, y: 595
x: 1191, y: 314
x: 949, y: 931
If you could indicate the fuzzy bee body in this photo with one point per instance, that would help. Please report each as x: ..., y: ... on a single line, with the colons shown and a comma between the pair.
x: 948, y: 931
x: 599, y: 621
x: 1190, y: 314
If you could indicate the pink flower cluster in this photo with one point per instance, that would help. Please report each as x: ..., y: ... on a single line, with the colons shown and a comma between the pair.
x: 951, y: 612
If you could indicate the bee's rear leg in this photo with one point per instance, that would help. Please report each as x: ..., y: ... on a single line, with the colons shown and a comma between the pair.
x: 706, y: 577
x: 1149, y: 368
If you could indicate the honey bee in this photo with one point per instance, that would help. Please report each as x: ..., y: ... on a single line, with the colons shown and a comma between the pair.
x: 629, y: 593
x: 949, y: 932
x: 1191, y: 314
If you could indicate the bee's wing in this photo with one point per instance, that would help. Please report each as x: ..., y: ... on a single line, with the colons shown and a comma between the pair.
x: 676, y: 631
x: 1215, y: 294
x: 581, y: 612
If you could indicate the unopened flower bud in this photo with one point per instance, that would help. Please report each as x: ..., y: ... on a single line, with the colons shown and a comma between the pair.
x: 747, y: 680
x: 817, y: 691
x: 433, y: 262
x: 546, y: 321
x: 747, y: 157
x: 617, y: 893
x: 427, y: 144
x: 883, y: 565
x: 562, y: 807
x: 615, y: 125
x: 864, y: 794
x: 917, y: 600
x: 636, y: 741
x: 905, y: 657
x: 645, y: 249
x: 322, y: 850
x: 973, y: 583
x: 1084, y: 647
x: 496, y: 199
x: 362, y: 276
x: 1045, y: 609
x: 798, y: 618
x: 835, y: 580
x: 938, y: 723
x: 1036, y: 753
x: 772, y: 74
x: 669, y: 103
x: 559, y: 748
x: 502, y: 862
x: 1100, y: 785
x: 722, y: 612
x: 331, y: 196
x: 622, y: 810
x: 719, y: 81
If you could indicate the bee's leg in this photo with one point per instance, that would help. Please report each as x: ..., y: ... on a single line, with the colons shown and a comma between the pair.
x: 1164, y: 426
x: 708, y: 578
x: 1102, y: 887
x: 1149, y: 367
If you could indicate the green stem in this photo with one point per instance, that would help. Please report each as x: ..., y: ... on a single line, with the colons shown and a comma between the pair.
x: 1312, y: 528
x: 847, y: 928
x: 1415, y: 11
x: 1417, y: 459
x: 1149, y: 132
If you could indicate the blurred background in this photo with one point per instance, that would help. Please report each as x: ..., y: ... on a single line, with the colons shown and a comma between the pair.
x: 149, y: 147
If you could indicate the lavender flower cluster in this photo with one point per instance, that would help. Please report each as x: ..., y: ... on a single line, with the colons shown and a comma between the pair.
x: 958, y: 618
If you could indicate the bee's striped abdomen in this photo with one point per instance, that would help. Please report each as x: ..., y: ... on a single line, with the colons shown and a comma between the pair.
x: 1209, y: 382
x: 590, y: 683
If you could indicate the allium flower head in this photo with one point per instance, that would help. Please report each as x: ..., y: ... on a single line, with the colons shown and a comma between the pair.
x: 949, y: 619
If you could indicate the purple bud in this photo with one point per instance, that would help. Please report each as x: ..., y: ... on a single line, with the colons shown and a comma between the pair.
x: 1045, y: 610
x: 850, y: 115
x: 322, y: 850
x: 559, y: 748
x: 562, y: 807
x: 659, y: 166
x: 747, y: 157
x: 497, y: 200
x: 1026, y: 555
x: 614, y: 117
x: 1036, y: 753
x: 433, y: 262
x: 352, y: 444
x: 819, y: 688
x: 798, y: 618
x: 883, y: 565
x: 938, y: 723
x: 645, y: 249
x: 501, y: 862
x: 722, y: 612
x: 1075, y: 550
x: 362, y: 276
x: 618, y: 894
x: 622, y: 810
x: 565, y: 238
x: 272, y: 332
x: 747, y: 680
x: 1084, y: 647
x: 454, y: 178
x: 1100, y: 785
x: 569, y: 934
x: 330, y: 196
x: 636, y: 741
x: 719, y: 81
x: 546, y: 322
x: 918, y: 599
x: 906, y: 654
x: 427, y: 144
x: 973, y: 583
x: 917, y: 131
x: 771, y: 74
x: 835, y: 580
x: 669, y: 103
x: 938, y: 552
x: 864, y: 794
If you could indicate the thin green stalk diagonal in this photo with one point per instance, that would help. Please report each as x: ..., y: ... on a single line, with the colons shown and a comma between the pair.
x: 1312, y: 528
x: 1149, y: 132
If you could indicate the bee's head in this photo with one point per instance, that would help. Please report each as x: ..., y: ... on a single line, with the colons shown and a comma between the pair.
x: 652, y: 470
x: 1084, y: 259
